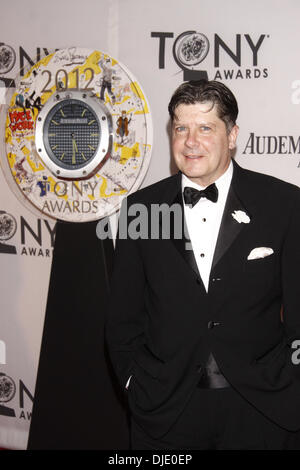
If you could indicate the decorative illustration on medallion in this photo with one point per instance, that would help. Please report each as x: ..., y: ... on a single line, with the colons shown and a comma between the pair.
x: 78, y: 135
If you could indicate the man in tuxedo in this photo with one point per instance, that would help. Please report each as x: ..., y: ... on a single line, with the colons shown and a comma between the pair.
x: 205, y: 311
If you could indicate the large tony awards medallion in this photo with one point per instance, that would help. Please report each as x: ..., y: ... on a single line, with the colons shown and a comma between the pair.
x: 78, y: 135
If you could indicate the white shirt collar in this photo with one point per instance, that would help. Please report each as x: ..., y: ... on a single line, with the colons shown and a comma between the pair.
x: 222, y: 183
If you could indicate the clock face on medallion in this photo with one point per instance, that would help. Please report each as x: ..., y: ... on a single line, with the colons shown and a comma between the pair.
x: 72, y: 135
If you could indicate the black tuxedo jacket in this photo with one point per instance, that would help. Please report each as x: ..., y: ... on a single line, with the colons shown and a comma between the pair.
x: 162, y: 324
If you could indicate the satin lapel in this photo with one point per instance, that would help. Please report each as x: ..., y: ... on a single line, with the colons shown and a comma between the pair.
x: 180, y: 237
x: 229, y: 228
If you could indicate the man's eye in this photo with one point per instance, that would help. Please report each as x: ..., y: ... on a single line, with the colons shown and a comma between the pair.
x: 181, y: 129
x: 205, y: 128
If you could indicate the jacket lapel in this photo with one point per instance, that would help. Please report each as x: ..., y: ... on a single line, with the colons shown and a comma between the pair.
x: 183, y: 243
x: 230, y: 228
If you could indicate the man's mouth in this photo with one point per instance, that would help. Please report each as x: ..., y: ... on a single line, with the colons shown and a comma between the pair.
x: 194, y: 157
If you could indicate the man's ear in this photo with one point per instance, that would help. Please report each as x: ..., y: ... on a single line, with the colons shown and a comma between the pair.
x: 233, y: 136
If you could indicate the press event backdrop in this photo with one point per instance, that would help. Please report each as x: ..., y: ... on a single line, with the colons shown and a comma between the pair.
x: 253, y: 47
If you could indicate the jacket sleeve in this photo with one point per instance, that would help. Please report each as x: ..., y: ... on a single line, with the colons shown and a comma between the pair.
x: 290, y: 267
x: 126, y: 318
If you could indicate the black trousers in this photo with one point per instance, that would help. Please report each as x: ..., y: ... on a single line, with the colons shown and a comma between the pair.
x: 218, y: 419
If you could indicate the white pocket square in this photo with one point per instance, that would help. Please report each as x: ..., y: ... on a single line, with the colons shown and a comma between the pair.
x: 260, y: 252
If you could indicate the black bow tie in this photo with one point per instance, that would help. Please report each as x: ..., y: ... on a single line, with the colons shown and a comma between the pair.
x: 192, y: 195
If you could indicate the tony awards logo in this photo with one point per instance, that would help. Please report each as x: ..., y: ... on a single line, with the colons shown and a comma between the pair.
x: 7, y: 58
x: 7, y: 393
x: 189, y: 50
x: 8, y: 227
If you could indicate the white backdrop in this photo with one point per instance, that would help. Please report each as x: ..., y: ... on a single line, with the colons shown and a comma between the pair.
x: 253, y: 48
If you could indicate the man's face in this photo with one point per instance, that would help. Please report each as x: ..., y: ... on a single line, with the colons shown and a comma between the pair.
x: 201, y: 143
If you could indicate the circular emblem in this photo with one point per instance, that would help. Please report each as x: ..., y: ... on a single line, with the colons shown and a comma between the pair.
x: 73, y: 134
x: 190, y: 49
x: 7, y: 58
x: 7, y: 388
x: 78, y: 135
x: 8, y: 226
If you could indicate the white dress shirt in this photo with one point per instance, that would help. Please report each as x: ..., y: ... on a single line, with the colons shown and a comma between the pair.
x: 203, y: 222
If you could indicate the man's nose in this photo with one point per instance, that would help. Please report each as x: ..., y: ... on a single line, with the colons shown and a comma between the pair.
x: 192, y: 139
